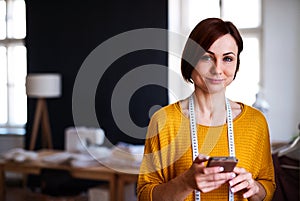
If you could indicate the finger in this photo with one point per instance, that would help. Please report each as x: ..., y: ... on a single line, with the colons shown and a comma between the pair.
x: 209, y: 186
x: 206, y: 190
x: 211, y: 170
x: 240, y: 186
x: 238, y: 170
x: 252, y: 191
x: 250, y: 183
x: 248, y: 194
x: 220, y: 176
x: 201, y: 158
x: 246, y: 176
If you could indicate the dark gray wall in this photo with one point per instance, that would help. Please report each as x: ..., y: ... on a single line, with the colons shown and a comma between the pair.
x: 60, y: 36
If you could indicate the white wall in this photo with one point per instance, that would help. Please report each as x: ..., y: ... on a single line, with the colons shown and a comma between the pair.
x: 281, y: 66
x: 281, y: 69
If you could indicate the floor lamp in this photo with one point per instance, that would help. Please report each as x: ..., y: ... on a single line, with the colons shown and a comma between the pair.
x: 42, y: 86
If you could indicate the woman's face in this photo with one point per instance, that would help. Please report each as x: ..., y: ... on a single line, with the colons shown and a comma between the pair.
x: 216, y: 68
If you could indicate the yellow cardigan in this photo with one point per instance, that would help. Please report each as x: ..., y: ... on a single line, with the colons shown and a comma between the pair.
x: 168, y: 151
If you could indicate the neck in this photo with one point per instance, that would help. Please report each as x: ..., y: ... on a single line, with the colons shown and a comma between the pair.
x: 210, y: 109
x: 209, y: 103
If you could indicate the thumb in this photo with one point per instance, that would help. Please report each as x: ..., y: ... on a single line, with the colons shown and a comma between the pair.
x: 201, y: 158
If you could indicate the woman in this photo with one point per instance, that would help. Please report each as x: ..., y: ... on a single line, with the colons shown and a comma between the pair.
x: 182, y: 136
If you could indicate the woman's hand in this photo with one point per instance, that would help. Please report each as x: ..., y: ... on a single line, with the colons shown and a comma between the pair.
x: 244, y: 181
x: 197, y: 177
x: 206, y: 179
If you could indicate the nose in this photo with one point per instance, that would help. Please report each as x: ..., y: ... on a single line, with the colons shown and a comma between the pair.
x: 216, y: 68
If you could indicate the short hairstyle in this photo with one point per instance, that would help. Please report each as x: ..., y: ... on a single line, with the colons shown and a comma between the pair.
x: 201, y: 38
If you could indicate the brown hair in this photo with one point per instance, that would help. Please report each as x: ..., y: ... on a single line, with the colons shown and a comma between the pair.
x: 201, y: 38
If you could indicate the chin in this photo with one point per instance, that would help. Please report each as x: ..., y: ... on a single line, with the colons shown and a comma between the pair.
x: 216, y: 89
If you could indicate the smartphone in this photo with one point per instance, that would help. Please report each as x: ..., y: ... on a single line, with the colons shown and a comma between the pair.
x: 228, y: 163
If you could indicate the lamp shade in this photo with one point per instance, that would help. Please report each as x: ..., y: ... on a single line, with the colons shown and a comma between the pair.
x: 43, y: 85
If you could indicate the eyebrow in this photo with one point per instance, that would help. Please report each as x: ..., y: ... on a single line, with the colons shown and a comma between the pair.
x: 227, y: 53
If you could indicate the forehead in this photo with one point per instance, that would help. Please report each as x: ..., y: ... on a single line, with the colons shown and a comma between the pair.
x: 224, y: 44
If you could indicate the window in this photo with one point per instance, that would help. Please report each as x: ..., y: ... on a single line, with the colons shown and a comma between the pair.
x: 246, y: 15
x: 13, y: 105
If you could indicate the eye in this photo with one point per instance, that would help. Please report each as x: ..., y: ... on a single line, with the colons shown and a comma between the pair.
x: 228, y: 59
x: 206, y: 58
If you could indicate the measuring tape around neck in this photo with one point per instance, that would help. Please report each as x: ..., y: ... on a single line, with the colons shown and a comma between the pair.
x: 194, y: 139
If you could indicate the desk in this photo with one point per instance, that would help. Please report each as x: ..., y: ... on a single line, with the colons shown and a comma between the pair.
x: 116, y: 179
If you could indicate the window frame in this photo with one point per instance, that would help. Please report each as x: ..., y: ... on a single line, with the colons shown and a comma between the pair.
x: 178, y: 14
x: 10, y: 127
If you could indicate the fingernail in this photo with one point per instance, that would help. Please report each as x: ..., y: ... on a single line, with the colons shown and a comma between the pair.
x: 232, y: 190
x: 221, y: 169
x: 230, y: 183
x: 201, y: 156
x: 232, y: 175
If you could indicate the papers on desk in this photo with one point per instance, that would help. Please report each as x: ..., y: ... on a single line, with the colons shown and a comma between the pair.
x: 128, y: 151
x: 125, y: 155
x: 122, y: 155
x: 58, y: 158
x: 19, y: 155
x: 93, y: 157
x: 90, y: 158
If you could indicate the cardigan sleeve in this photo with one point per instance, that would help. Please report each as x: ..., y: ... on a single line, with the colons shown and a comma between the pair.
x: 266, y: 176
x: 150, y: 172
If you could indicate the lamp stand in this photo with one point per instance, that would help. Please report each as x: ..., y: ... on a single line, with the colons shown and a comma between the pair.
x: 41, y: 116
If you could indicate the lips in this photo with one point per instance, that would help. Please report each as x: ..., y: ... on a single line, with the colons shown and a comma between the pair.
x: 215, y: 80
